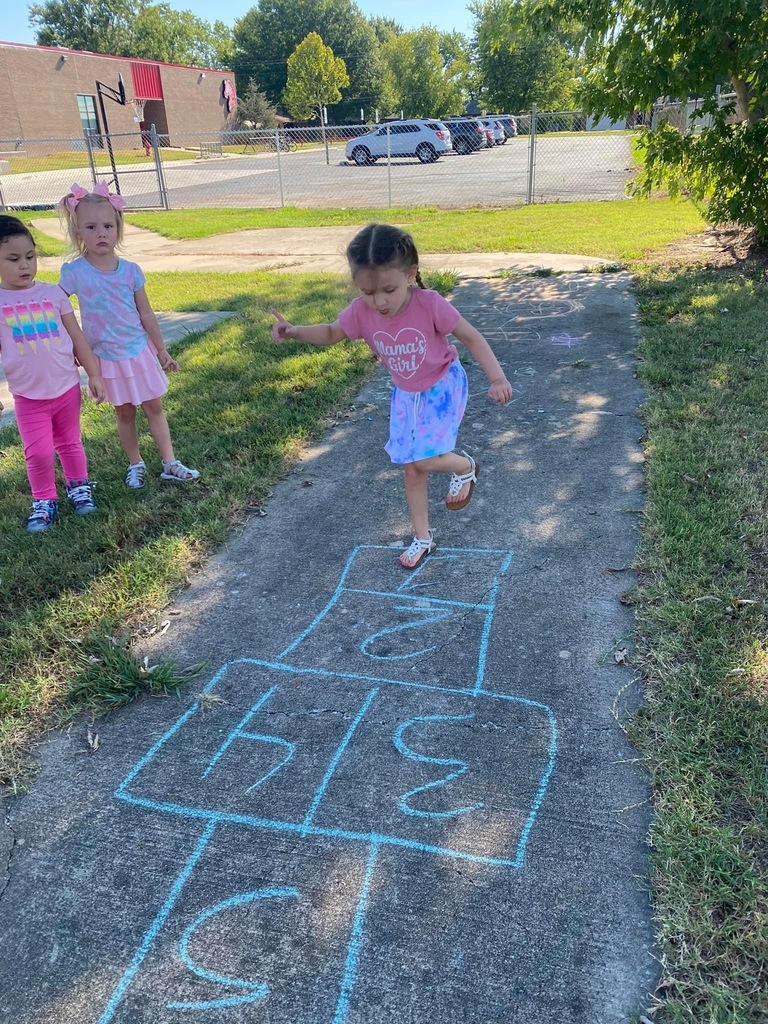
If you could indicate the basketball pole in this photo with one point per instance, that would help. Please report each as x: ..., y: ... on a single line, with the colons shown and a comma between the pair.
x: 117, y: 96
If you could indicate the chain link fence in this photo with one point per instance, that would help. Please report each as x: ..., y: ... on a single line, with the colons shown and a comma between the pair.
x: 552, y: 158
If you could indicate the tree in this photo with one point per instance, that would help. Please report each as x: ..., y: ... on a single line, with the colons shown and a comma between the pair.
x: 425, y: 81
x: 315, y: 78
x: 253, y: 106
x: 101, y: 26
x: 133, y: 28
x: 385, y: 28
x: 640, y: 50
x: 268, y: 33
x: 517, y: 66
x: 176, y: 37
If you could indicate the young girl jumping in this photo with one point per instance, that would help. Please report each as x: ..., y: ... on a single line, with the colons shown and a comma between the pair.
x: 120, y: 326
x: 39, y: 342
x: 406, y: 328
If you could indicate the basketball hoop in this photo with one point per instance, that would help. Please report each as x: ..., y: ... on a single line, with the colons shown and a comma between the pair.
x: 138, y: 110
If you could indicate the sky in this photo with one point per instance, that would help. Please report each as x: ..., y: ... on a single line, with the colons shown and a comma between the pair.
x: 446, y: 15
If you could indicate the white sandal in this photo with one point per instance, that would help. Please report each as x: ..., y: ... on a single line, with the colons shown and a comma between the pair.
x: 459, y: 480
x: 178, y: 472
x: 134, y: 478
x: 419, y: 550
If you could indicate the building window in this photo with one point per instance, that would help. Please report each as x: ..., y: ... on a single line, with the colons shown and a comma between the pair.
x: 86, y: 106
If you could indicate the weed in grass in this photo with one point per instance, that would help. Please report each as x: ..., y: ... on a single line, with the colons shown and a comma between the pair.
x: 442, y: 281
x: 108, y: 675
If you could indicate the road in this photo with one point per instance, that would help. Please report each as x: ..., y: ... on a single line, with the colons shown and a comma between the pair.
x: 568, y: 167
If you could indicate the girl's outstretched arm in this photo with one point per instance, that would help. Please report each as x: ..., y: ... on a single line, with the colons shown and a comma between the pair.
x: 500, y: 389
x: 152, y: 327
x: 84, y: 355
x: 312, y: 334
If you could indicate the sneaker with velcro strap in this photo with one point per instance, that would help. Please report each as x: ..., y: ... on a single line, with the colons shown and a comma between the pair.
x: 80, y: 495
x: 43, y: 515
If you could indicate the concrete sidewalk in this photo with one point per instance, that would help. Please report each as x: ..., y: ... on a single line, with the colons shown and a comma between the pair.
x: 391, y: 798
x: 304, y: 249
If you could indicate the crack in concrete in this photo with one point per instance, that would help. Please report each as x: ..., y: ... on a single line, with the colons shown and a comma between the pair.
x: 12, y: 849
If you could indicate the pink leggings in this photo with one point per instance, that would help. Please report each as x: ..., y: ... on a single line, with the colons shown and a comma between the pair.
x: 45, y: 425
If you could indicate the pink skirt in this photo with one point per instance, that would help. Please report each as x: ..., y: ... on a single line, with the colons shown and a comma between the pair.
x: 133, y: 381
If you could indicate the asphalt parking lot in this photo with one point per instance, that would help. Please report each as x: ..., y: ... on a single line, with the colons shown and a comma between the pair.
x: 567, y: 168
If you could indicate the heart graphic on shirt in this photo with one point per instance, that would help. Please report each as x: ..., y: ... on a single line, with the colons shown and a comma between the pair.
x: 403, y: 354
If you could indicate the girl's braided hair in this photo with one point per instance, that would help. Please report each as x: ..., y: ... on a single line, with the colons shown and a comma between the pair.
x: 383, y: 245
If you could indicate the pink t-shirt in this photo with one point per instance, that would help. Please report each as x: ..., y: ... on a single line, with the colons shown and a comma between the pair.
x: 412, y: 345
x: 35, y: 347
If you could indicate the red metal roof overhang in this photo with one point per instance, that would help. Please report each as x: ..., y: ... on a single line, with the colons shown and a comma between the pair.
x: 146, y: 80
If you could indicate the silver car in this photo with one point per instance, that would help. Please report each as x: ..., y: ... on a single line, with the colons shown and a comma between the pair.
x: 499, y: 135
x: 423, y: 138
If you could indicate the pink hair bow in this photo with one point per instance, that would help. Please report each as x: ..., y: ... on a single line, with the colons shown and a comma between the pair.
x: 102, y: 189
x: 79, y: 193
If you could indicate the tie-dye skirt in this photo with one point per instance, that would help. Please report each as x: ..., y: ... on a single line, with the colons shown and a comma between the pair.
x: 423, y: 424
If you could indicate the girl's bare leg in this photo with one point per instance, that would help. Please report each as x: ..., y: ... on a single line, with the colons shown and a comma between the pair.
x: 448, y: 463
x: 158, y: 426
x: 127, y: 433
x: 416, y: 480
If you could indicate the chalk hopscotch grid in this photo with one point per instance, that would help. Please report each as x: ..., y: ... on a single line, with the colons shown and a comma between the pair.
x: 253, y: 990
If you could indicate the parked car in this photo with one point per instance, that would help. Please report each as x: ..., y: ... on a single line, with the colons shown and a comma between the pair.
x: 490, y: 141
x: 422, y: 138
x: 508, y: 123
x: 499, y: 135
x: 467, y: 134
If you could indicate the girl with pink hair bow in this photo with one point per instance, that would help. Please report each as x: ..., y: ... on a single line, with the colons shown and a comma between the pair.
x: 120, y: 326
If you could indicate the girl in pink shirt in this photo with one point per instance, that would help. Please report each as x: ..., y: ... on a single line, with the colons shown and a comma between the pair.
x: 406, y: 328
x: 40, y: 340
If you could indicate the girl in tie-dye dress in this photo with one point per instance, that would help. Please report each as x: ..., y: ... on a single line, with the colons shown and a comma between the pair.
x: 120, y: 326
x: 406, y: 326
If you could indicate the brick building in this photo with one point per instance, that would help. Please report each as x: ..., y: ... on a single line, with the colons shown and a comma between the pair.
x: 50, y: 92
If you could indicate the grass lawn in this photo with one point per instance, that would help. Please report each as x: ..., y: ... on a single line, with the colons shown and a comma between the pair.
x: 623, y: 230
x: 701, y: 631
x: 77, y: 159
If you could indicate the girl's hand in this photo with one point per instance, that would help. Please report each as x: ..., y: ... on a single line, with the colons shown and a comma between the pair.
x: 500, y: 390
x: 167, y: 361
x: 97, y: 389
x: 281, y: 331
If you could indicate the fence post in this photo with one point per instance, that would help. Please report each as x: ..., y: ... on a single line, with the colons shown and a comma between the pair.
x: 161, y: 186
x: 279, y: 166
x: 389, y: 168
x: 532, y: 154
x: 91, y: 160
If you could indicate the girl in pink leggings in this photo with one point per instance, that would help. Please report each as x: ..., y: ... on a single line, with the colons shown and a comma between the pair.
x: 40, y: 340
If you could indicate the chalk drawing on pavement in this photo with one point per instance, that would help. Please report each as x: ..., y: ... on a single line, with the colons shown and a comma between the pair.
x: 349, y: 743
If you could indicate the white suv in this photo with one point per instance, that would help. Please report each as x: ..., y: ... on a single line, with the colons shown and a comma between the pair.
x: 425, y: 139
